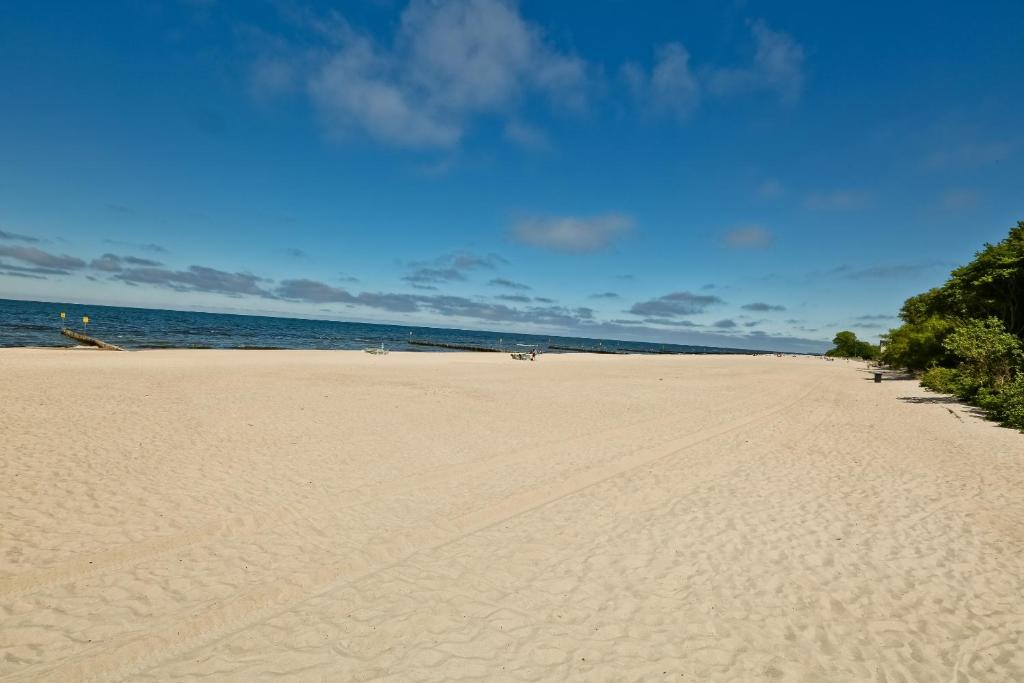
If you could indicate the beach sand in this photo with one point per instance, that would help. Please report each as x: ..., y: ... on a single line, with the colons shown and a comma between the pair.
x: 175, y: 515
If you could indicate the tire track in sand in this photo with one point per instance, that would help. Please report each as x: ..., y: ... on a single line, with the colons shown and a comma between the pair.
x: 725, y: 469
x: 219, y: 619
x: 127, y: 555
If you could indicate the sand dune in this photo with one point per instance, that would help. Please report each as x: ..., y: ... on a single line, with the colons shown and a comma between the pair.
x: 175, y: 515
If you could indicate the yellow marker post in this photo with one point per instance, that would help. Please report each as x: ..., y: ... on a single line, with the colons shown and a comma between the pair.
x: 85, y: 320
x: 63, y: 315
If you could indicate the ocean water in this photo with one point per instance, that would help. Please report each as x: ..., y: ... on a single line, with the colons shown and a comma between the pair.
x: 38, y: 323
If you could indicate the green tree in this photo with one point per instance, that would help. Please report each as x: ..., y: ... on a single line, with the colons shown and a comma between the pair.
x: 989, y: 354
x: 845, y: 344
x: 848, y: 346
x: 968, y: 334
x: 921, y: 307
x: 918, y: 344
x: 991, y: 285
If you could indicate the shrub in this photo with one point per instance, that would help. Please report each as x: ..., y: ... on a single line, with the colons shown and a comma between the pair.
x: 1011, y: 404
x: 990, y: 354
x: 943, y: 380
x: 918, y: 345
x: 968, y: 334
x: 991, y: 401
x: 951, y: 381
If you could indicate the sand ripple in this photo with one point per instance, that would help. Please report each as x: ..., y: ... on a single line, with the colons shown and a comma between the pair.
x: 328, y: 516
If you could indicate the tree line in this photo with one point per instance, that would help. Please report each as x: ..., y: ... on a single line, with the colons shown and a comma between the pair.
x: 848, y: 346
x: 965, y: 337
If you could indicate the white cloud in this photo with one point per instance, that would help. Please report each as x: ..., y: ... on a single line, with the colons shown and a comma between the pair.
x: 449, y: 62
x: 770, y: 189
x: 526, y: 135
x: 673, y: 85
x: 762, y: 307
x: 671, y: 88
x: 18, y: 237
x: 355, y: 89
x: 42, y: 259
x: 749, y: 237
x: 777, y: 67
x: 478, y: 54
x: 675, y: 304
x: 569, y: 233
x: 449, y: 268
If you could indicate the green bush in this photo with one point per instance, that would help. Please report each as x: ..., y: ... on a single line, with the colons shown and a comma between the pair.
x: 990, y: 355
x: 1012, y: 400
x: 942, y: 380
x: 918, y: 345
x: 968, y: 334
x: 1005, y: 405
x: 991, y: 401
x: 951, y: 381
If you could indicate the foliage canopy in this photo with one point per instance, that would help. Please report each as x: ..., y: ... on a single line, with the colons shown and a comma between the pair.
x: 968, y: 335
x: 848, y: 346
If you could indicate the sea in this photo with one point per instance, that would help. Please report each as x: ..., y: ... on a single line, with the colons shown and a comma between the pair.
x: 38, y: 323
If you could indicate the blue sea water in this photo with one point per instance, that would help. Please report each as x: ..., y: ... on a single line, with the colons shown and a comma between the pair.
x: 38, y: 323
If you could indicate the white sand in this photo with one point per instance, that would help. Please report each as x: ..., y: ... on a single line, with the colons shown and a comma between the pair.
x: 174, y: 515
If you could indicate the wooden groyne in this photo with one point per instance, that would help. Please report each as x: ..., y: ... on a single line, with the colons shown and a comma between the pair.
x: 453, y: 347
x: 583, y: 349
x: 89, y: 341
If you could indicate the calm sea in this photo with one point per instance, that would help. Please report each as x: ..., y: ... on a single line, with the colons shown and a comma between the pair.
x: 37, y: 323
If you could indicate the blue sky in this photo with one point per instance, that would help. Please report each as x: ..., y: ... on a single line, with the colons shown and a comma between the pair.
x: 754, y: 174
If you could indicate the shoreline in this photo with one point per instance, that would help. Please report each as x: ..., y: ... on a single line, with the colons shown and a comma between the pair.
x: 425, y: 351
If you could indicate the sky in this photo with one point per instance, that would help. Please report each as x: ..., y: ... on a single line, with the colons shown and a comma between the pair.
x: 745, y: 174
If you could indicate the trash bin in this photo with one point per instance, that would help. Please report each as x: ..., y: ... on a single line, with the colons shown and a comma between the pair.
x: 878, y: 377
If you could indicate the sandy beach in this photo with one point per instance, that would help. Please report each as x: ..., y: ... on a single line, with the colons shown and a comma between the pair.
x: 176, y: 515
